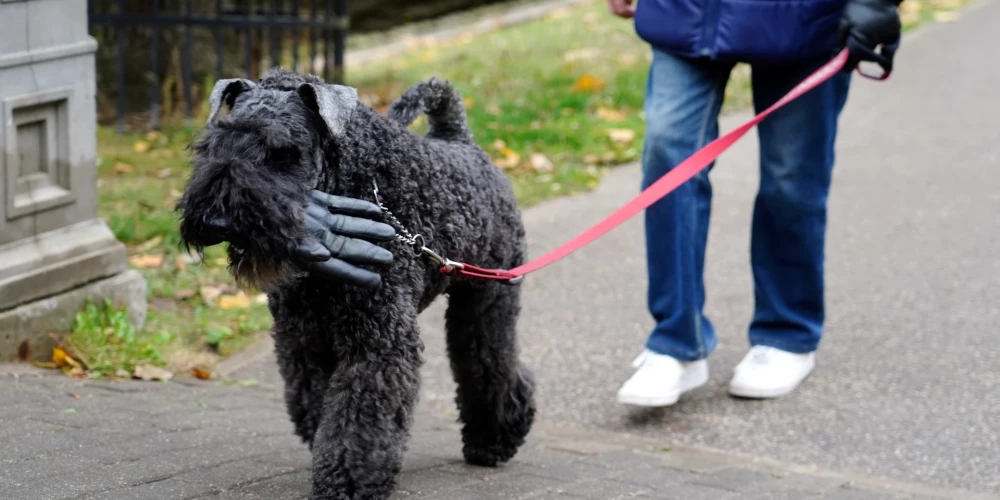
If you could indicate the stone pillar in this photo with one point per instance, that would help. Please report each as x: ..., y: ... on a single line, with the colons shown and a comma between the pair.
x: 54, y: 250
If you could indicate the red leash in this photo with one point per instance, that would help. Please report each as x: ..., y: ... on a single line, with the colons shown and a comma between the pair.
x: 662, y: 187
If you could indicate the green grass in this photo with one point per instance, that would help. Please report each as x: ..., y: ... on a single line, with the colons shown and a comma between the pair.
x: 522, y: 87
x: 106, y: 342
x: 139, y: 189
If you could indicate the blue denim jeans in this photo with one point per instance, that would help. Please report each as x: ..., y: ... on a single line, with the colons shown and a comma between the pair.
x: 683, y: 99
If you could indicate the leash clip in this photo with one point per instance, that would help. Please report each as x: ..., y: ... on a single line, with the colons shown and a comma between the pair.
x: 448, y: 266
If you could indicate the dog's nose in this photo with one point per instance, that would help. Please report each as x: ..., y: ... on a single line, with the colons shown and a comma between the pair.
x: 213, y: 230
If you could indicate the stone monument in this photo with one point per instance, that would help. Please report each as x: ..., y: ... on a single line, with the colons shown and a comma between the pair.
x: 54, y: 250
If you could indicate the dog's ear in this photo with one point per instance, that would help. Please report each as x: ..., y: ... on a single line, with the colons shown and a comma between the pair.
x: 334, y: 103
x: 226, y: 90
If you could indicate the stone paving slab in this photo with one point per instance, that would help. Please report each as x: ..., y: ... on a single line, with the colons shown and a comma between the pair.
x: 68, y: 439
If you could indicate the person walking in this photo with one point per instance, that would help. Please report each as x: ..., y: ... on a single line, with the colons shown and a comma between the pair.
x: 695, y: 45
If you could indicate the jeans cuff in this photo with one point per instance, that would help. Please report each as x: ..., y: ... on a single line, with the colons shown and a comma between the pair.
x: 792, y: 347
x: 679, y: 353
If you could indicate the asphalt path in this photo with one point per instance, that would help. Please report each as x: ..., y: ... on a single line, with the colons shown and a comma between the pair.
x: 907, y: 383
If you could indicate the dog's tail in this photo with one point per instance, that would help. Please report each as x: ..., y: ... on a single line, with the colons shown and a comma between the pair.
x: 442, y: 104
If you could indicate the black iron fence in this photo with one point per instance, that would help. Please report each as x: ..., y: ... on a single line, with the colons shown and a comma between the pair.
x: 141, y: 40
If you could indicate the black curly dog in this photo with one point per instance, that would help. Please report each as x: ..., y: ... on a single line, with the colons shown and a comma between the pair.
x: 350, y: 356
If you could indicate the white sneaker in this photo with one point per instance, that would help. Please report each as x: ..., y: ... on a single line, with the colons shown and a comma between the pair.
x: 660, y: 380
x: 768, y: 372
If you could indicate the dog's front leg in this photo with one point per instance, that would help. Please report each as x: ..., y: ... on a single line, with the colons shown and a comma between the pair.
x: 367, y: 411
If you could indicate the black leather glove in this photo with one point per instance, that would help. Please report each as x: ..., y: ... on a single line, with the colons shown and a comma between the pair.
x: 341, y: 231
x: 865, y: 25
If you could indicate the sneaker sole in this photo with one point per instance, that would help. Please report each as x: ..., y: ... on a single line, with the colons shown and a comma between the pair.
x: 667, y: 400
x: 752, y: 393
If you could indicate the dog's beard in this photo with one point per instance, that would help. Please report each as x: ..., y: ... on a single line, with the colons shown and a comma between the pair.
x: 253, y: 272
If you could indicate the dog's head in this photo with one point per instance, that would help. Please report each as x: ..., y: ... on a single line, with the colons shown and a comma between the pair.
x: 254, y: 168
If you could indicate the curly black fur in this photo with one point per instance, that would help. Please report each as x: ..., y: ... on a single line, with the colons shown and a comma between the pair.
x: 350, y: 357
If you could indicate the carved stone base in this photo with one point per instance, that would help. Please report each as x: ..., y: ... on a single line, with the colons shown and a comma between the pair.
x: 45, y: 281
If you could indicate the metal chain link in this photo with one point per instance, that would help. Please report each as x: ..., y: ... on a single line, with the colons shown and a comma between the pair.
x: 414, y: 240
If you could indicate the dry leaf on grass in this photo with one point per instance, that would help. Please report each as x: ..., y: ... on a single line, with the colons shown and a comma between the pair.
x: 141, y: 147
x: 164, y: 173
x: 151, y: 244
x: 151, y: 372
x: 238, y: 301
x: 509, y: 159
x: 945, y: 16
x: 588, y: 83
x: 210, y: 293
x: 180, y: 263
x: 581, y: 54
x: 201, y: 373
x: 611, y: 115
x: 540, y: 163
x: 629, y: 60
x: 499, y: 145
x: 124, y: 168
x: 147, y: 261
x: 621, y: 135
x: 184, y: 294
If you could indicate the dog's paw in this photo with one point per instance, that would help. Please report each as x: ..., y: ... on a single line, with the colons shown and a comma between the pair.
x: 488, y: 456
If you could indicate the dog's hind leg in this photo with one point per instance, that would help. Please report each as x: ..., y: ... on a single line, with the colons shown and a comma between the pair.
x: 366, y: 417
x: 495, y: 391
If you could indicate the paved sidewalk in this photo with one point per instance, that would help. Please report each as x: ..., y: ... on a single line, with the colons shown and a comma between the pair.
x: 189, y: 439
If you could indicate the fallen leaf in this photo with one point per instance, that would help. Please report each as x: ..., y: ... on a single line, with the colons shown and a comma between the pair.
x: 499, y: 145
x: 540, y: 163
x: 151, y: 372
x: 468, y: 102
x: 152, y: 135
x: 238, y: 301
x: 140, y: 147
x: 585, y: 54
x: 77, y: 372
x: 180, y: 263
x: 74, y: 396
x: 621, y: 135
x: 201, y: 373
x: 945, y: 16
x: 591, y: 159
x: 147, y: 261
x: 151, y: 244
x: 120, y: 373
x: 184, y: 294
x: 124, y: 168
x: 63, y: 360
x: 588, y: 83
x: 611, y: 115
x: 629, y: 59
x: 209, y: 294
x: 492, y: 108
x: 510, y: 159
x: 164, y: 173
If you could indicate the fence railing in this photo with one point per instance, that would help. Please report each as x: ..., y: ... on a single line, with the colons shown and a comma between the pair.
x: 315, y: 31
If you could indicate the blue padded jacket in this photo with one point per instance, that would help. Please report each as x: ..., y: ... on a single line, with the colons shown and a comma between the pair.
x: 741, y: 30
